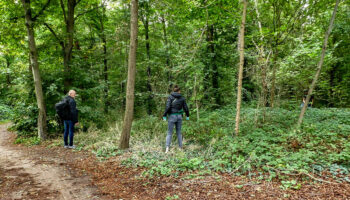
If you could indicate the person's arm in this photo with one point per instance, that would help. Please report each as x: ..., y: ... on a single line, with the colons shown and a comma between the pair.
x: 186, y: 109
x: 167, y: 107
x: 73, y: 111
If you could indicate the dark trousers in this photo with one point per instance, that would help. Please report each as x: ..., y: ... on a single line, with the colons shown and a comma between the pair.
x: 68, y: 130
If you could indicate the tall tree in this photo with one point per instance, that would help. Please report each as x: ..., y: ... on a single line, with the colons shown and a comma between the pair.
x: 42, y: 125
x: 213, y: 68
x: 68, y: 42
x: 319, y: 66
x: 167, y: 60
x: 241, y: 63
x: 105, y: 61
x: 130, y: 91
x: 145, y: 19
x: 262, y: 60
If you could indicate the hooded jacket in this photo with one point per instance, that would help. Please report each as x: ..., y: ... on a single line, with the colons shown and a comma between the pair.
x: 176, y: 103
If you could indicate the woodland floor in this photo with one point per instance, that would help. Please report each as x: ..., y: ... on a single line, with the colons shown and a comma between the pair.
x: 39, y: 172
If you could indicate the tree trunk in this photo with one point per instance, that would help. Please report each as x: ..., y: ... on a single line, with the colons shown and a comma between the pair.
x: 68, y: 44
x: 195, y: 96
x: 262, y: 61
x: 319, y: 67
x: 331, y: 85
x: 241, y: 62
x: 213, y: 66
x: 149, y: 87
x: 8, y: 78
x: 105, y: 63
x: 276, y: 25
x: 42, y: 126
x: 167, y: 60
x: 129, y: 108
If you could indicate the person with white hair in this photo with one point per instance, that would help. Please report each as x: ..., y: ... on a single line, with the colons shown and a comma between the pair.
x: 70, y: 120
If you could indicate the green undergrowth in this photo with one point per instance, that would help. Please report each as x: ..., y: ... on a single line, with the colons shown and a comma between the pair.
x: 5, y: 113
x: 28, y: 141
x: 267, y: 147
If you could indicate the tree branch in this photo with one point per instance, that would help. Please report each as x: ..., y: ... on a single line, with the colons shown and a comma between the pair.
x: 87, y: 11
x: 64, y: 11
x: 54, y: 34
x: 42, y: 10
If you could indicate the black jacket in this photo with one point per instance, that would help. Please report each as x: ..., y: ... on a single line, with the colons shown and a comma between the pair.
x: 176, y: 104
x: 73, y: 112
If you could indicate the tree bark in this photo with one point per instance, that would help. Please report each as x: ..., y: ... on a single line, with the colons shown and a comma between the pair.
x: 195, y: 96
x: 319, y: 67
x: 241, y: 63
x: 276, y: 25
x: 262, y: 61
x: 8, y: 77
x: 105, y: 62
x: 167, y: 60
x: 148, y: 52
x: 42, y: 124
x: 213, y: 66
x: 129, y: 108
x: 68, y: 47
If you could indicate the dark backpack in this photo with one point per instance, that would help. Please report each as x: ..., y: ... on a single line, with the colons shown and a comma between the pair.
x: 62, y: 109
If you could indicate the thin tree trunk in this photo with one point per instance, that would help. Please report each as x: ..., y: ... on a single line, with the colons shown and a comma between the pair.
x: 149, y: 87
x: 262, y: 61
x: 105, y: 63
x: 241, y: 62
x: 273, y: 78
x: 129, y: 108
x: 42, y: 126
x: 195, y: 96
x: 276, y: 23
x: 213, y: 66
x: 331, y: 85
x: 319, y: 67
x: 8, y: 78
x: 167, y: 60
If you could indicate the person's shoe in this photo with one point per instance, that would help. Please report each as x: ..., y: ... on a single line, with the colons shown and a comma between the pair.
x: 167, y: 150
x: 66, y: 146
x: 72, y: 147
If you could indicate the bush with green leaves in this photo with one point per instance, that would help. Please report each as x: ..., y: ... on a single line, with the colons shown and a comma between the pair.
x: 5, y: 112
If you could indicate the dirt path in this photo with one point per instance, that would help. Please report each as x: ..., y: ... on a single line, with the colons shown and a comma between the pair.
x: 28, y: 175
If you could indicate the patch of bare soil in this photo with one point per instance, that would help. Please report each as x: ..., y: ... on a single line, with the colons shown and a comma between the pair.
x: 41, y: 173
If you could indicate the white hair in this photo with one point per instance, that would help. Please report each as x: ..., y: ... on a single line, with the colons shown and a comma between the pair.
x: 70, y: 92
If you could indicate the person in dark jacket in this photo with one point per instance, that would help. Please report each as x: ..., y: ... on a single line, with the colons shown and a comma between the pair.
x: 175, y: 106
x: 71, y: 120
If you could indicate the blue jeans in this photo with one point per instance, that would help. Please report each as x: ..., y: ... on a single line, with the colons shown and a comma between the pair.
x: 68, y: 130
x: 174, y: 120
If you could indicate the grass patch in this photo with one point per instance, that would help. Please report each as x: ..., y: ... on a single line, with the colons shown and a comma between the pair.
x: 4, y: 122
x: 28, y: 141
